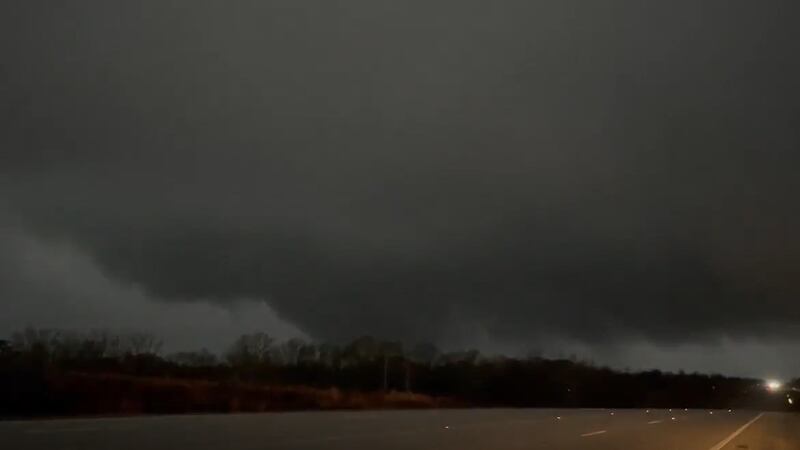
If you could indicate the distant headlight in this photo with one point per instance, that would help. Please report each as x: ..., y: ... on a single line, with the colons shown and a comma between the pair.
x: 773, y: 385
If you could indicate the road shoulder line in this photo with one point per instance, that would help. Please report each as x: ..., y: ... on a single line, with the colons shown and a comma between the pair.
x: 593, y: 433
x: 725, y: 441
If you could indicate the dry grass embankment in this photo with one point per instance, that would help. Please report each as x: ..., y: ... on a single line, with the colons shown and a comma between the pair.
x: 102, y: 394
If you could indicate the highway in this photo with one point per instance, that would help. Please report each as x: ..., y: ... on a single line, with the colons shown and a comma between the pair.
x: 495, y: 429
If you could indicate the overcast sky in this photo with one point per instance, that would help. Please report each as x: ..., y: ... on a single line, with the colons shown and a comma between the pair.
x: 616, y: 178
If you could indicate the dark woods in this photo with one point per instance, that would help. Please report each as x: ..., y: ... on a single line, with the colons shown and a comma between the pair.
x: 51, y: 372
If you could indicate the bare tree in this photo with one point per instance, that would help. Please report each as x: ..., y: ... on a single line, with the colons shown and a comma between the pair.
x: 288, y: 352
x: 363, y: 349
x: 31, y: 339
x: 142, y: 344
x: 308, y: 354
x: 250, y: 349
x: 330, y: 355
x: 388, y: 351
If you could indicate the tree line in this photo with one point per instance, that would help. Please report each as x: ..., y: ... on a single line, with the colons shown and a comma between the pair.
x: 369, y: 364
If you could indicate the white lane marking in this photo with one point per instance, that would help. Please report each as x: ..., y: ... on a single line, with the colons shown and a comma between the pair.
x: 593, y: 433
x: 725, y: 441
x: 652, y: 422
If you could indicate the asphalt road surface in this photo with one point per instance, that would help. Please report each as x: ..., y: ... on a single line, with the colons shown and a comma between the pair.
x: 494, y: 429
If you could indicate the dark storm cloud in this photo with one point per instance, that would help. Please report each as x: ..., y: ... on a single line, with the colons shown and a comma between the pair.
x: 599, y: 171
x: 47, y: 284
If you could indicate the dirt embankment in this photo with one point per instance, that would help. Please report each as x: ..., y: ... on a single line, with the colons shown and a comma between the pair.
x: 115, y: 394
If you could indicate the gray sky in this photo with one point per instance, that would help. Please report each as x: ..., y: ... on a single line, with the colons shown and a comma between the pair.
x: 615, y: 178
